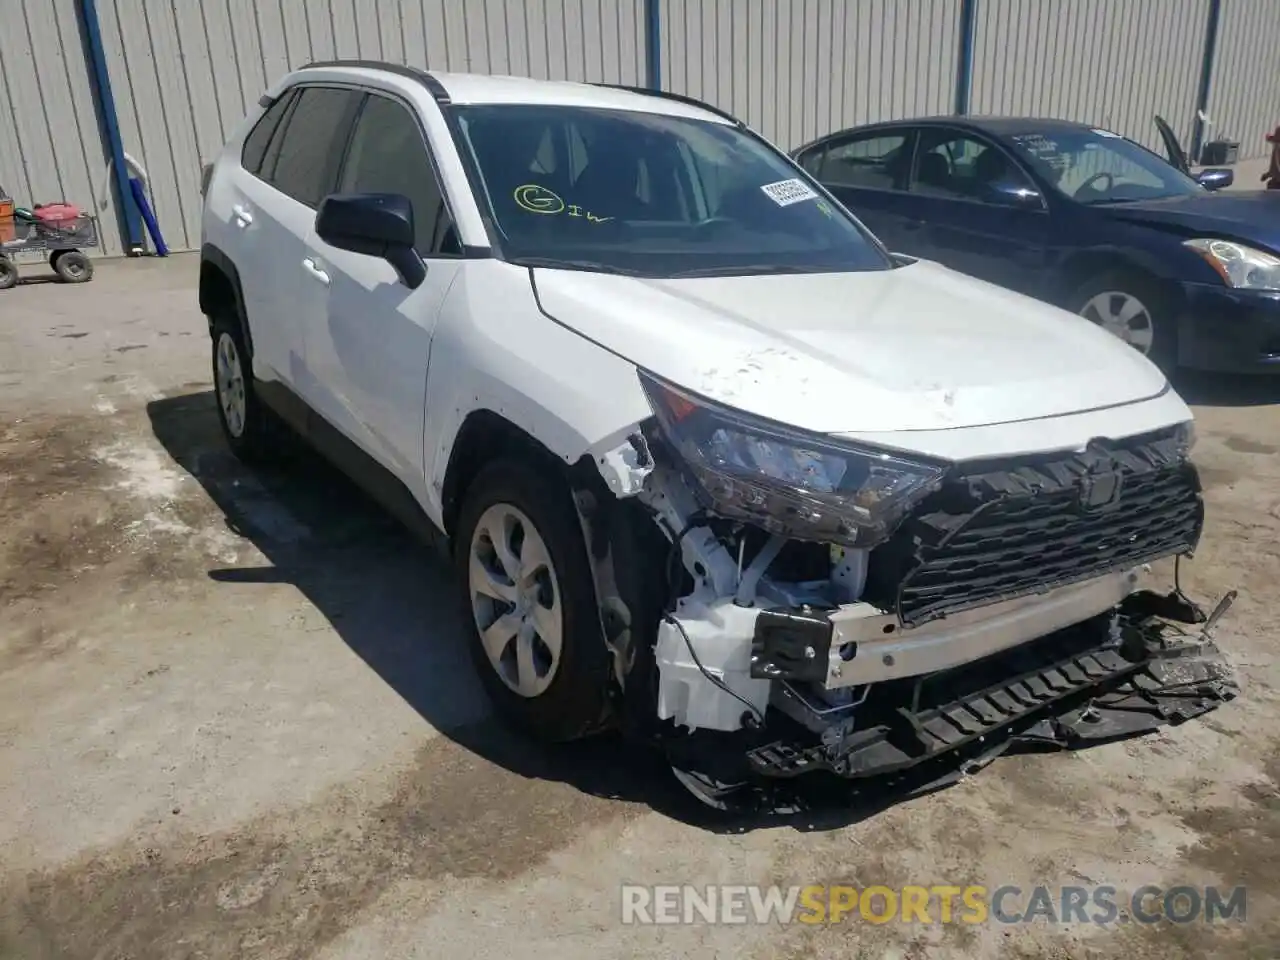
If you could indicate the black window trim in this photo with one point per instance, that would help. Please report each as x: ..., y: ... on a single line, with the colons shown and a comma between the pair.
x: 468, y: 253
x: 992, y: 143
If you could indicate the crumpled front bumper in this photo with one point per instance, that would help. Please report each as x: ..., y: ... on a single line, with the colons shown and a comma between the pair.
x: 1120, y: 674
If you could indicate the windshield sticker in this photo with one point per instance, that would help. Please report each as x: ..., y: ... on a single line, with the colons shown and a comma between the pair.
x: 538, y: 199
x: 1107, y: 133
x: 786, y: 192
x: 825, y: 208
x: 1043, y: 149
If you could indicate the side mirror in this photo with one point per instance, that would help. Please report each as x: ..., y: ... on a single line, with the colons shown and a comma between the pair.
x: 375, y: 224
x: 1215, y: 178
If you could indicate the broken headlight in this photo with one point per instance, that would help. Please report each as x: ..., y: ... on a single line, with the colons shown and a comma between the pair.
x: 799, y: 485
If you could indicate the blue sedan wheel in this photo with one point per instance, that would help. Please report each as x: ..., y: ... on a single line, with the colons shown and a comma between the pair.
x: 1124, y: 315
x: 1133, y: 308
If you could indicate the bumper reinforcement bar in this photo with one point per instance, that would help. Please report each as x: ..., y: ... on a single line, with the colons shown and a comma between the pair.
x: 1114, y: 676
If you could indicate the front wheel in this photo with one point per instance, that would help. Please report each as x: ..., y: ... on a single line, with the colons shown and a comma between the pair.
x: 528, y: 594
x: 1133, y: 309
x: 8, y: 273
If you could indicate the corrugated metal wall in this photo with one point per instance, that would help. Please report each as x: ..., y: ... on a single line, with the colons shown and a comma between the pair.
x: 183, y: 73
x: 1244, y: 88
x: 50, y: 149
x: 796, y: 69
x: 1115, y: 64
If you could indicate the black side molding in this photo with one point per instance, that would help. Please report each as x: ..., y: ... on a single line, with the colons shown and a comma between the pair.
x: 366, y: 472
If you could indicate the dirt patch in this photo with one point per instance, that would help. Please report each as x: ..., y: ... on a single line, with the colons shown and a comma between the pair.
x: 288, y: 884
x: 55, y: 519
x: 83, y: 495
x: 1246, y: 445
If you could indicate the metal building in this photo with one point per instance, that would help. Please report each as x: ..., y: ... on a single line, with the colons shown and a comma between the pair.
x: 95, y: 89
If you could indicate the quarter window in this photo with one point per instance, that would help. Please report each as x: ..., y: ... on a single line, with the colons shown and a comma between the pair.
x: 388, y: 155
x: 255, y: 145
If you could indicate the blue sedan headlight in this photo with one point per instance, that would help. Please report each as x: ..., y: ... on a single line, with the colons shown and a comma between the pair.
x: 1243, y: 267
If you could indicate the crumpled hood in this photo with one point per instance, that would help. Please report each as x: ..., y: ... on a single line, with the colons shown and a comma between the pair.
x: 916, y: 348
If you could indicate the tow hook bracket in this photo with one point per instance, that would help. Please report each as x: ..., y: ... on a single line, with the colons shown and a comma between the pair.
x: 791, y: 645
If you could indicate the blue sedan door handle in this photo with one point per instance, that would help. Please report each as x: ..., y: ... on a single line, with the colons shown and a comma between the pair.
x: 912, y: 224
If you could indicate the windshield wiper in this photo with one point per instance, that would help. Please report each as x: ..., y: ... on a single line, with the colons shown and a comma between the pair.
x: 552, y: 263
x: 749, y: 268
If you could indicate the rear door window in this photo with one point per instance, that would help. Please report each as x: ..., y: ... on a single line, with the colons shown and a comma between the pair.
x: 388, y: 154
x: 310, y: 145
x: 960, y: 166
x: 876, y: 161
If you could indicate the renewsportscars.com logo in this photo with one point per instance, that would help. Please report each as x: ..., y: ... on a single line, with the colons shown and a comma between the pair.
x: 1101, y: 905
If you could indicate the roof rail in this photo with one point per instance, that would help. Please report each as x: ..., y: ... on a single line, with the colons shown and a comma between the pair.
x: 677, y: 97
x: 428, y: 80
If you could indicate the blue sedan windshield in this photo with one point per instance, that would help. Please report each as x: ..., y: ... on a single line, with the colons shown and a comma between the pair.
x: 651, y: 195
x: 1097, y: 166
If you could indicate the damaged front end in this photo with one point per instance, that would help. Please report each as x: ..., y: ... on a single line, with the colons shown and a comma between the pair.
x: 780, y: 604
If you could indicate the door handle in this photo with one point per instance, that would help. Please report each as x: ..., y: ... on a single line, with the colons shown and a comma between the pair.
x: 310, y: 266
x: 912, y: 224
x: 242, y: 214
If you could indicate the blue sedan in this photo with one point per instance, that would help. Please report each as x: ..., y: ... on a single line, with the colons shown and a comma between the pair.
x: 1078, y: 216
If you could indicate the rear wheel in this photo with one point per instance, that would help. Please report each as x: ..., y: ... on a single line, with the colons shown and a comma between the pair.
x: 72, y: 266
x: 527, y: 590
x: 251, y: 430
x: 1135, y: 310
x: 8, y: 273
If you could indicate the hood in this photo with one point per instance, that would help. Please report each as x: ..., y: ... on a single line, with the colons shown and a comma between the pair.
x: 916, y: 348
x: 1251, y: 216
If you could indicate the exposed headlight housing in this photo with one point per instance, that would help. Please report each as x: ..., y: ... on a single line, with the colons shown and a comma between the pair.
x: 788, y: 482
x: 1185, y: 434
x: 1243, y: 267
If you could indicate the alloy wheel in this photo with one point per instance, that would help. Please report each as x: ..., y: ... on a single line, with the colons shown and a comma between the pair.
x: 230, y: 385
x: 515, y: 599
x: 1123, y: 315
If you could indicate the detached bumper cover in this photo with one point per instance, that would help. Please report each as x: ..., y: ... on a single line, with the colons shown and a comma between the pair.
x: 1097, y: 691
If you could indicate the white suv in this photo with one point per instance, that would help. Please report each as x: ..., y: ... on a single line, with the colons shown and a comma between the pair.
x: 713, y: 465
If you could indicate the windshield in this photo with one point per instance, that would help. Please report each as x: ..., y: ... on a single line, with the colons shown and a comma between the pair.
x: 652, y: 195
x: 1097, y: 166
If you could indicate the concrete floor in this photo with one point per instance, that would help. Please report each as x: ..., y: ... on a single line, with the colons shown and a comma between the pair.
x: 237, y: 719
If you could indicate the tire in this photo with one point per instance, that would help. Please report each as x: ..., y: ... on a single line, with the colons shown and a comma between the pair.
x: 72, y: 266
x: 555, y: 696
x: 250, y: 428
x: 1109, y: 299
x: 8, y: 273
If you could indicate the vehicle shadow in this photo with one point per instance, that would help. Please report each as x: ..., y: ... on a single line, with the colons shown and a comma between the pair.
x: 1226, y: 390
x: 392, y: 601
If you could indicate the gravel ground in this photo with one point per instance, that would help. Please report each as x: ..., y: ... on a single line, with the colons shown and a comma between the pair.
x: 237, y: 719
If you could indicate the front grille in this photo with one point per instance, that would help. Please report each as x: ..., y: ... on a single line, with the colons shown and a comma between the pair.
x: 1000, y: 531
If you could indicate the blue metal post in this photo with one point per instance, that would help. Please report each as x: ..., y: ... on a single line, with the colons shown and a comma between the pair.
x: 110, y: 123
x: 653, y: 44
x: 964, y: 66
x: 1206, y: 77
